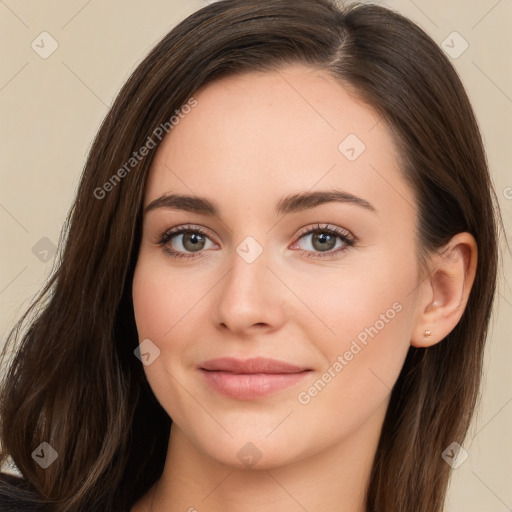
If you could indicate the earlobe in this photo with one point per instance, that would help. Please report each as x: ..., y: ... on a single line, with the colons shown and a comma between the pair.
x: 446, y: 290
x: 425, y: 333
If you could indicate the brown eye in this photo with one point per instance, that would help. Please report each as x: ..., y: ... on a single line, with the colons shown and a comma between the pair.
x: 323, y: 241
x: 184, y: 242
x: 193, y: 241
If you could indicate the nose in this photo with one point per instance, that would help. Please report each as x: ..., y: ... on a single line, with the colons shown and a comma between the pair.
x: 250, y: 299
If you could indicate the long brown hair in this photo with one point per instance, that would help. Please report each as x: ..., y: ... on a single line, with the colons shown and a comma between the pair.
x: 74, y: 382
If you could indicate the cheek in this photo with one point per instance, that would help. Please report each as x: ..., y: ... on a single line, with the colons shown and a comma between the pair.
x: 169, y: 306
x: 373, y: 292
x: 362, y: 364
x: 370, y: 319
x: 148, y: 302
x: 161, y: 301
x: 158, y: 309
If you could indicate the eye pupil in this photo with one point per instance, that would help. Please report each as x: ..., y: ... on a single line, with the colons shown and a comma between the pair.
x: 327, y: 241
x: 196, y: 240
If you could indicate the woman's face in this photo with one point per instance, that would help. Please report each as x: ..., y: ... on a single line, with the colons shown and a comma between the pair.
x: 284, y: 267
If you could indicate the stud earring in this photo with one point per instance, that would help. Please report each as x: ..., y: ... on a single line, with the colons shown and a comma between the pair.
x: 428, y: 333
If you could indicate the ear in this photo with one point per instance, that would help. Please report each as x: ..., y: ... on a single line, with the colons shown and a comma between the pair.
x: 444, y: 293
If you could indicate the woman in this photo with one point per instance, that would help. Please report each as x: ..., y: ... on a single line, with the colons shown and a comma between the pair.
x: 323, y: 348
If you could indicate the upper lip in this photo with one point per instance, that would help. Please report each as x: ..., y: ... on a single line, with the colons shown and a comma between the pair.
x: 253, y: 365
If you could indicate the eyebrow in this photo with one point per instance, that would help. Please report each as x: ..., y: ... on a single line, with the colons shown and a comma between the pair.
x: 293, y: 203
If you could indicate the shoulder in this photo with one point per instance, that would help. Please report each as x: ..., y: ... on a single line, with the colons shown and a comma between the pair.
x: 14, y: 493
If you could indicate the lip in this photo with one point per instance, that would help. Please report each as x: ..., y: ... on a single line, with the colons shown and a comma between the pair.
x: 251, y: 378
x: 253, y: 365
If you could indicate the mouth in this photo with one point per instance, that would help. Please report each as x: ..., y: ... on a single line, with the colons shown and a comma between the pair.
x: 251, y: 379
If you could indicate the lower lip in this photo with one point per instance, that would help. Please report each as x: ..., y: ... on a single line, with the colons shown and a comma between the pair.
x: 249, y: 386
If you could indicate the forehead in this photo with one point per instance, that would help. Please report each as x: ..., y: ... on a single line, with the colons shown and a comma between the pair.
x: 255, y: 137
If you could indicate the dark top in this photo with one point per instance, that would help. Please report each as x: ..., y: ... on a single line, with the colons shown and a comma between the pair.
x: 11, y: 489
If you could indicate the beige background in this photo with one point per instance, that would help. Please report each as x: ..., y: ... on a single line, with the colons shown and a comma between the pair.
x: 51, y: 109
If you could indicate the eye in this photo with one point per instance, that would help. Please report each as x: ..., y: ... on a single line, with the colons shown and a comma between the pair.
x: 190, y: 238
x: 316, y: 242
x: 323, y: 241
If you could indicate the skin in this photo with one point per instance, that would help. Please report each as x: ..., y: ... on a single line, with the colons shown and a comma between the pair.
x: 251, y: 140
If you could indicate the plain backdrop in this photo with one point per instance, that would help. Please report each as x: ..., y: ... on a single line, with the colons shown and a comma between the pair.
x: 51, y: 107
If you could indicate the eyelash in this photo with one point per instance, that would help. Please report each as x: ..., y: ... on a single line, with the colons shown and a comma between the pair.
x: 343, y: 235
